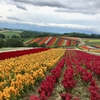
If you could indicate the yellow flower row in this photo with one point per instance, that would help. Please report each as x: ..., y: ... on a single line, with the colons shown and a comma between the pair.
x: 18, y: 72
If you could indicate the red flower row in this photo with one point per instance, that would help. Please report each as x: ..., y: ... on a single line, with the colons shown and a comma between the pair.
x: 11, y: 54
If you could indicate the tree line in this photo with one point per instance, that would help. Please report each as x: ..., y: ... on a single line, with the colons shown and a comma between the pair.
x: 35, y: 34
x: 10, y: 43
x: 82, y: 35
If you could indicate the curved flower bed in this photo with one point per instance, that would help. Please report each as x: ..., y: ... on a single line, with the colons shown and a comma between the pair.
x: 10, y: 54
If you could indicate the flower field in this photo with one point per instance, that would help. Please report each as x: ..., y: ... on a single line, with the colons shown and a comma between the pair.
x: 75, y: 77
x: 56, y: 41
x: 54, y: 74
x: 19, y: 74
x: 90, y: 48
x: 96, y: 46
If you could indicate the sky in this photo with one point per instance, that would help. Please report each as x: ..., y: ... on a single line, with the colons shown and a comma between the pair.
x: 59, y: 16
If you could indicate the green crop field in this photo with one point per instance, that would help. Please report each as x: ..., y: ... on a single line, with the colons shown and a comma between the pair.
x: 94, y: 40
x: 91, y: 42
x: 10, y: 33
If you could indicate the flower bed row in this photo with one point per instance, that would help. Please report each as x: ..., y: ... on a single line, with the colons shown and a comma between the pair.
x: 96, y: 46
x: 6, y: 55
x: 18, y: 75
x: 96, y: 50
x: 85, y: 47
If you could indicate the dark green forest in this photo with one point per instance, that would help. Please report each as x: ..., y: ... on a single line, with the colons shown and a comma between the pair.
x: 82, y: 35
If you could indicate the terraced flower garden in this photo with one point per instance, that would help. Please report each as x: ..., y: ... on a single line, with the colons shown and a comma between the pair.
x: 56, y: 41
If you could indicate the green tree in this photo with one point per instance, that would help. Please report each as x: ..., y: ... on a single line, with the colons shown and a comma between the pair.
x: 14, y: 43
x: 2, y: 36
x: 15, y: 36
x: 43, y: 45
x: 2, y: 43
x: 34, y: 44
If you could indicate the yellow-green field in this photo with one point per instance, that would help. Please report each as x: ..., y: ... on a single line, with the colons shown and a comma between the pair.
x: 91, y: 41
x: 10, y: 33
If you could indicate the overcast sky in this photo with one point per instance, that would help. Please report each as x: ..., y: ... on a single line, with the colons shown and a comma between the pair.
x: 81, y: 15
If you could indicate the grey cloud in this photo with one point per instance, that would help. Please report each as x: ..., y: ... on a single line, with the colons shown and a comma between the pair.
x: 0, y: 16
x: 84, y: 7
x: 84, y: 11
x: 42, y: 3
x: 23, y: 1
x: 50, y: 4
x: 72, y: 6
x: 20, y: 7
x: 14, y: 18
x: 10, y: 10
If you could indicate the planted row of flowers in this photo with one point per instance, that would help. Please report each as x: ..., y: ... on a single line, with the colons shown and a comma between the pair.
x: 17, y: 75
x: 85, y: 47
x: 96, y: 46
x: 55, y: 41
x: 47, y: 86
x: 79, y: 74
x: 76, y: 66
x: 10, y: 54
x: 96, y: 50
